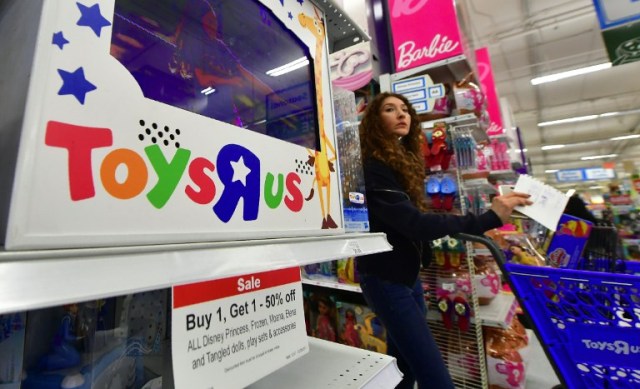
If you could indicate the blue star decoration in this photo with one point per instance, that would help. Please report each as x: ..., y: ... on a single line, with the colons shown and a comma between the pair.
x: 75, y: 84
x: 59, y: 40
x: 300, y: 1
x: 91, y: 17
x: 282, y: 3
x: 290, y: 16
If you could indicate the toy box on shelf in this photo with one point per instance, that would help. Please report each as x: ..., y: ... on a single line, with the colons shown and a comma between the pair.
x: 12, y: 335
x: 359, y: 327
x: 140, y: 125
x: 116, y: 342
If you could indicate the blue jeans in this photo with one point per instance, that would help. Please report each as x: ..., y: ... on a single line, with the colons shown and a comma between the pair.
x: 403, y: 312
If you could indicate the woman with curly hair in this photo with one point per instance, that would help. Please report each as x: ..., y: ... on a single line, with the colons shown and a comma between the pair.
x: 390, y: 136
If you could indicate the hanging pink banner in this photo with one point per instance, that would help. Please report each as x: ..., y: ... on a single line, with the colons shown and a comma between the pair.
x: 485, y: 77
x: 424, y: 31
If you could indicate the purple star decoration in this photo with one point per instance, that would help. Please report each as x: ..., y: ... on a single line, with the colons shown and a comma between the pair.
x: 91, y: 17
x: 75, y: 84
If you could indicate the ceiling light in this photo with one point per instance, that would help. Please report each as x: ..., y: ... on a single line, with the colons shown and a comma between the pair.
x: 570, y: 73
x: 289, y: 67
x: 588, y: 117
x: 552, y: 147
x: 625, y: 137
x: 551, y: 171
x: 599, y: 157
x: 520, y: 150
x: 568, y: 120
x: 207, y: 91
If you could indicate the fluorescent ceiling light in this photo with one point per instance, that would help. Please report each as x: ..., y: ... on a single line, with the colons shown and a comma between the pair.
x: 625, y: 137
x: 587, y: 117
x: 570, y: 73
x: 521, y: 150
x: 207, y: 91
x: 552, y: 147
x: 568, y: 120
x: 596, y: 187
x: 599, y: 157
x: 289, y: 67
x: 551, y: 171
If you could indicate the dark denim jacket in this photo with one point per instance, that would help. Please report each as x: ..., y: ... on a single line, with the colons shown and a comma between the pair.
x: 408, y: 229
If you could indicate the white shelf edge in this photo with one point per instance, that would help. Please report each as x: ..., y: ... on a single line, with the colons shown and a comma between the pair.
x: 43, y: 278
x: 419, y: 69
x: 333, y: 365
x: 332, y: 285
x: 451, y: 119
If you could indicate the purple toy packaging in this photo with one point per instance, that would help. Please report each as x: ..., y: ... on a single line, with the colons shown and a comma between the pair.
x: 564, y: 247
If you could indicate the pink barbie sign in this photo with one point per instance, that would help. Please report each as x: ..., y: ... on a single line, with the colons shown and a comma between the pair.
x: 424, y: 31
x: 485, y: 76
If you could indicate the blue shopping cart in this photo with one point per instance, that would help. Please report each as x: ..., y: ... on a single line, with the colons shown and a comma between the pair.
x: 588, y: 322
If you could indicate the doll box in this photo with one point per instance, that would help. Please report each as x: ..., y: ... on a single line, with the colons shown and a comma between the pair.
x: 128, y: 122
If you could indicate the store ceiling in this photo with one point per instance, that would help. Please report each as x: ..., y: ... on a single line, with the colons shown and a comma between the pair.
x: 532, y: 38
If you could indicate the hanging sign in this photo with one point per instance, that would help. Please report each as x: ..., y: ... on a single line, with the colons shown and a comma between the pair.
x: 420, y: 38
x: 420, y: 91
x: 487, y: 83
x: 229, y: 333
x: 620, y: 24
x: 594, y: 173
x: 616, y: 12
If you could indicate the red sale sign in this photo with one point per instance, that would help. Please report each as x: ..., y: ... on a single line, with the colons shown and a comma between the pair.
x: 229, y: 333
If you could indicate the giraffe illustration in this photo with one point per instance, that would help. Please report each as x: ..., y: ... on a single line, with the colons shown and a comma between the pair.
x: 319, y: 159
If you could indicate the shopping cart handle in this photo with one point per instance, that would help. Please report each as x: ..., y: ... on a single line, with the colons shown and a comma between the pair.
x: 496, y: 252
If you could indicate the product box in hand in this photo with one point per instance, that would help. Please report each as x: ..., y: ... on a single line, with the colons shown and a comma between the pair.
x: 354, y: 205
x: 359, y: 327
x: 12, y: 328
x: 564, y: 247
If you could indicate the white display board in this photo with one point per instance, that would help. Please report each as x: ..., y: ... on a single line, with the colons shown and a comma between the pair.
x: 229, y: 333
x: 100, y: 164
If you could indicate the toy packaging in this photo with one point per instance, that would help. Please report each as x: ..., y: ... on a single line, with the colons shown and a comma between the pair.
x: 12, y: 333
x: 359, y: 327
x: 325, y: 271
x: 507, y: 355
x: 354, y: 205
x: 564, y: 247
x: 115, y: 342
x: 347, y: 271
x: 322, y: 315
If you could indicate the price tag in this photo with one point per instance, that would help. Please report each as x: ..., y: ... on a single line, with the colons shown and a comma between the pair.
x: 353, y: 248
x: 231, y: 332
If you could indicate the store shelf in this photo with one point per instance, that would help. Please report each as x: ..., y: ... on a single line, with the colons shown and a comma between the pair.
x: 333, y: 365
x: 333, y: 285
x: 42, y: 278
x: 500, y: 312
x: 480, y: 184
x: 447, y: 70
x: 507, y: 173
x: 449, y: 120
x: 342, y: 31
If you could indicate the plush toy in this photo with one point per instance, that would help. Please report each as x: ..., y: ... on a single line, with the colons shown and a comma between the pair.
x: 440, y: 152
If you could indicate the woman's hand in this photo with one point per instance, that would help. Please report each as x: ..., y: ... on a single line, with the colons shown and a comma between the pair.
x: 503, y: 205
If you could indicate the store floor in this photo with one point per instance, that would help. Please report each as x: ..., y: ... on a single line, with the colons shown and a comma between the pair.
x: 540, y: 374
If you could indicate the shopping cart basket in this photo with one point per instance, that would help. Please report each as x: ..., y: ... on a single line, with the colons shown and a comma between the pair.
x: 588, y: 322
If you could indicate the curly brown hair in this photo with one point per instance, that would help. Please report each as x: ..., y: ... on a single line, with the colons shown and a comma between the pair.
x: 404, y: 156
